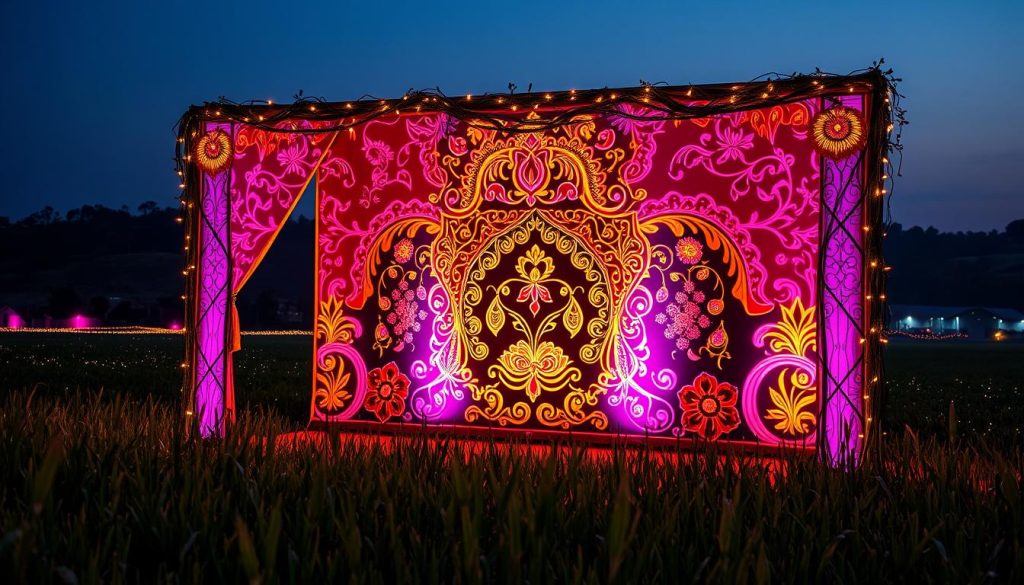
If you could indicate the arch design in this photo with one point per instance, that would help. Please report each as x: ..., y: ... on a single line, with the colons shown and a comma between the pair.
x: 539, y: 297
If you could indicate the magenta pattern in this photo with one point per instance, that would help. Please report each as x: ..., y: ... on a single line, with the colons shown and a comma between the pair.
x: 269, y: 172
x: 211, y: 376
x: 843, y: 303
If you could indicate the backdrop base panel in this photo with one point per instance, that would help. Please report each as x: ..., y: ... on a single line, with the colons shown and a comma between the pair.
x: 356, y: 431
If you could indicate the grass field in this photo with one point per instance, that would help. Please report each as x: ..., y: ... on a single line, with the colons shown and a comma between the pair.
x: 100, y: 488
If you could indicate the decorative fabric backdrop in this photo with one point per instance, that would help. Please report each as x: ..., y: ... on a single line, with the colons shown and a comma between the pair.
x: 655, y: 266
x: 613, y: 275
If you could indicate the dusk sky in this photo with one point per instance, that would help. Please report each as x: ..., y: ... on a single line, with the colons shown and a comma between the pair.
x: 91, y: 91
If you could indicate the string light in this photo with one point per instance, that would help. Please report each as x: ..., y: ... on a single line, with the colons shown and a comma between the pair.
x: 926, y: 336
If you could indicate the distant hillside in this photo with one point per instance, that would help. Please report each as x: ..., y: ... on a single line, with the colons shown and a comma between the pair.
x: 96, y: 259
x: 973, y: 268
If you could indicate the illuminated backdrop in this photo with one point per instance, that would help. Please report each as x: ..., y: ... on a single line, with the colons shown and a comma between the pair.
x: 665, y: 263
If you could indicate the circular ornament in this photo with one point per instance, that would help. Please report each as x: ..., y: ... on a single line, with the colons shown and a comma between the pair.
x: 838, y: 132
x: 213, y: 151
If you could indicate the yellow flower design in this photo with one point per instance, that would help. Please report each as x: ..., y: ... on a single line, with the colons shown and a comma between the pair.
x: 795, y: 334
x: 545, y: 368
x: 792, y: 400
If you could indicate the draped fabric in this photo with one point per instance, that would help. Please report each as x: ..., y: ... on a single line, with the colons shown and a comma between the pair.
x: 245, y: 206
x: 269, y: 173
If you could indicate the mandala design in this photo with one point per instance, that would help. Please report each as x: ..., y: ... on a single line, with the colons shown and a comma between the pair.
x: 213, y: 151
x: 838, y: 132
x: 709, y: 407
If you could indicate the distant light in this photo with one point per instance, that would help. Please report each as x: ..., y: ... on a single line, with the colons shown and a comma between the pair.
x: 79, y: 322
x: 14, y: 321
x: 174, y: 326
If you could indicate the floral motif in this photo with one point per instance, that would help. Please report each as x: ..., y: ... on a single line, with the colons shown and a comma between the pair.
x: 838, y: 132
x: 732, y: 143
x: 792, y: 400
x: 330, y: 393
x: 403, y: 250
x: 717, y: 345
x: 541, y: 267
x: 689, y: 250
x: 684, y: 318
x: 388, y: 389
x: 534, y: 365
x: 292, y: 158
x: 709, y: 407
x: 793, y: 396
x: 333, y: 329
x: 795, y: 334
x: 525, y: 368
x: 213, y: 151
x: 403, y: 317
x: 377, y: 152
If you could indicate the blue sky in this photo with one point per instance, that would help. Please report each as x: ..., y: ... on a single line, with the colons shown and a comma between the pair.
x: 91, y: 92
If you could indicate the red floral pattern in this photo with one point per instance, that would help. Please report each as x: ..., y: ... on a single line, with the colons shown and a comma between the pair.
x: 689, y: 250
x: 388, y: 389
x: 709, y: 407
